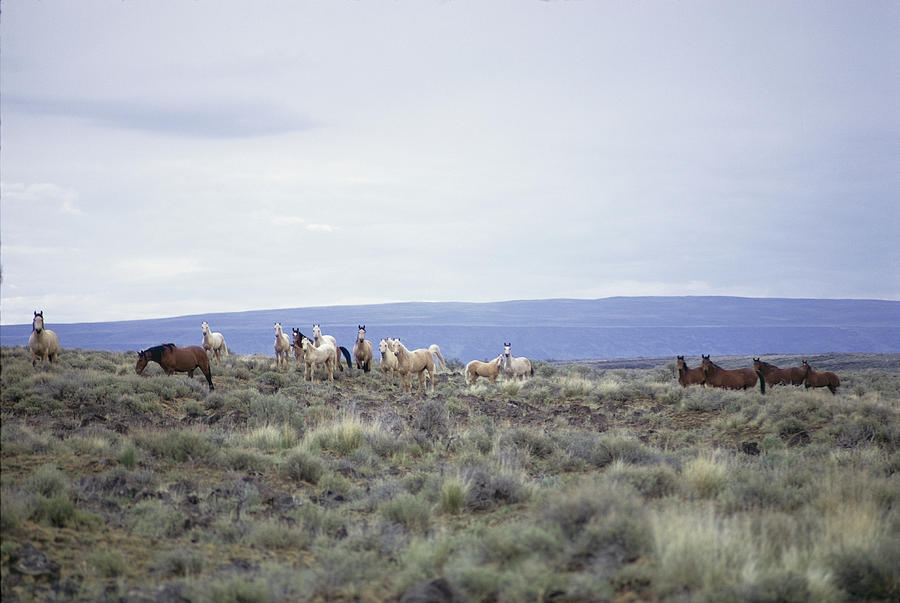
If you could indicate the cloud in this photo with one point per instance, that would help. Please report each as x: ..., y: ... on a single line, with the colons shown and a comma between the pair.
x: 320, y: 227
x: 220, y: 118
x: 138, y: 269
x: 45, y: 192
x: 287, y: 220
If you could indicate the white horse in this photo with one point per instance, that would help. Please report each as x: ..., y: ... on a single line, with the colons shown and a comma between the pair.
x: 362, y: 350
x: 409, y: 362
x: 517, y: 367
x: 297, y: 344
x: 214, y: 342
x: 282, y: 346
x: 477, y: 368
x: 318, y: 337
x: 43, y: 342
x: 312, y: 355
x: 388, y: 359
x: 436, y: 353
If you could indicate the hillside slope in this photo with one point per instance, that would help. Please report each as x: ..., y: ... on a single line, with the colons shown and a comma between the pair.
x: 560, y: 329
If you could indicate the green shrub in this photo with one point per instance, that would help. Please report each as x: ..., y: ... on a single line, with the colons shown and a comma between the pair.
x: 303, y: 466
x: 408, y: 510
x: 47, y: 481
x: 178, y: 445
x: 278, y: 535
x: 108, y: 564
x: 869, y: 574
x: 56, y: 510
x: 156, y: 519
x: 179, y: 562
x: 454, y: 492
x: 611, y: 448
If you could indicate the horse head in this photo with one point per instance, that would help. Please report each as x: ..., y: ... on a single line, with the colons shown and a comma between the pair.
x: 362, y: 333
x: 37, y: 325
x: 706, y: 363
x: 278, y: 330
x: 680, y: 361
x: 143, y: 359
x: 317, y: 331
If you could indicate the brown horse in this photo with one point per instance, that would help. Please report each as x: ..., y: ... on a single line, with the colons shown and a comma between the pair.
x: 814, y: 378
x: 362, y: 350
x: 778, y: 376
x: 742, y: 378
x: 690, y: 376
x: 173, y: 358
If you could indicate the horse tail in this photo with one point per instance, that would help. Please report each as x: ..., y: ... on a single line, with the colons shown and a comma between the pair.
x: 346, y: 354
x: 762, y: 382
x: 532, y: 369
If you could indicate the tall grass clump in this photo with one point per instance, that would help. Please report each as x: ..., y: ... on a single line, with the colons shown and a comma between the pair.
x: 269, y: 438
x: 342, y: 438
x: 706, y: 475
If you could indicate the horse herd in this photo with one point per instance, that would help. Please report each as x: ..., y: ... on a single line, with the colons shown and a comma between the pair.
x: 323, y: 350
x: 710, y: 373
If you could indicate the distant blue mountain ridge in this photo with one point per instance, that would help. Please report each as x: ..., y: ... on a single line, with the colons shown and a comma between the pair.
x: 553, y: 329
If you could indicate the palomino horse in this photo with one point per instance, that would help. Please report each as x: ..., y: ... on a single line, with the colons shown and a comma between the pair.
x: 778, y: 376
x: 477, y: 368
x: 312, y: 355
x: 814, y: 378
x: 338, y: 350
x: 214, y: 342
x: 517, y: 367
x: 362, y: 350
x: 282, y: 346
x: 388, y: 359
x: 173, y: 358
x: 742, y: 378
x: 43, y: 342
x: 690, y: 376
x: 297, y: 344
x: 409, y: 362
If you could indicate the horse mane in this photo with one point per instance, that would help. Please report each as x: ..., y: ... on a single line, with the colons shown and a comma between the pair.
x: 156, y: 351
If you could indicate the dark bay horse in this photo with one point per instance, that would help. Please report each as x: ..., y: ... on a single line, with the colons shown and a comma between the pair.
x: 814, y: 378
x: 690, y: 376
x: 173, y: 358
x: 778, y: 376
x: 742, y: 378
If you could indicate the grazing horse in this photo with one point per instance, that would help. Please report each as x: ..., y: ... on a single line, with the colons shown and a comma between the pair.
x: 362, y: 350
x: 436, y: 354
x: 173, y: 358
x: 43, y: 342
x: 690, y: 376
x: 778, y: 376
x: 338, y: 350
x: 282, y: 346
x: 517, y: 367
x: 742, y: 378
x: 312, y: 355
x: 409, y: 362
x: 814, y: 378
x: 214, y: 342
x: 388, y: 359
x: 477, y: 368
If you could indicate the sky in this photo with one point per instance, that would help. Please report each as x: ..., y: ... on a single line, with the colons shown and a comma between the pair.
x: 185, y: 157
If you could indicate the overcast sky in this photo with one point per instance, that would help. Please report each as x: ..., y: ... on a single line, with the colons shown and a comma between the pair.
x: 178, y: 157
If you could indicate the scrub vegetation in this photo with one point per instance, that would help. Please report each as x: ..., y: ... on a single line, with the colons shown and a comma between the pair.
x: 581, y: 483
